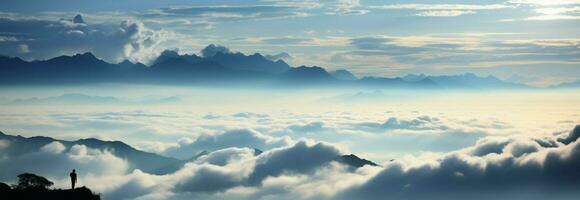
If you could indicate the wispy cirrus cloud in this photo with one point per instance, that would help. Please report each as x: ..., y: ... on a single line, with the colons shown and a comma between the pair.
x: 212, y: 15
x: 403, y: 53
x: 443, y: 10
x: 445, y: 13
x: 443, y: 6
x: 545, y: 2
x: 328, y: 7
x: 549, y: 10
x: 550, y: 17
x: 347, y: 7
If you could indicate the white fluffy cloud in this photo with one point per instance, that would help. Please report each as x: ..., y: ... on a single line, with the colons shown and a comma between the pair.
x: 233, y: 138
x: 111, y: 41
x: 235, y: 173
x: 419, y: 123
x: 506, y: 167
x: 300, y: 158
x: 499, y: 168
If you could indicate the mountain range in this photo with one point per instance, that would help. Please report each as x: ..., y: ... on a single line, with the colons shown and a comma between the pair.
x: 83, y: 99
x: 137, y: 159
x: 170, y: 67
x: 575, y: 84
x: 145, y: 161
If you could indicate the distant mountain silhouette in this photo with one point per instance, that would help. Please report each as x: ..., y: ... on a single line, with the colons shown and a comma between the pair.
x: 414, y: 77
x: 468, y: 81
x: 354, y: 161
x: 145, y: 161
x: 80, y: 68
x: 257, y: 152
x: 255, y: 62
x: 304, y: 74
x: 343, y: 75
x: 78, y: 98
x: 169, y: 68
x: 126, y: 64
x: 349, y: 160
x: 179, y: 69
x: 232, y: 61
x: 379, y: 82
x: 280, y: 56
x: 70, y: 98
x: 168, y: 54
x: 575, y: 84
x: 216, y: 66
x: 78, y: 19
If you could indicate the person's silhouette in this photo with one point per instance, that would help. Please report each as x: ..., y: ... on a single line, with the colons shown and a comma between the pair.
x: 73, y: 178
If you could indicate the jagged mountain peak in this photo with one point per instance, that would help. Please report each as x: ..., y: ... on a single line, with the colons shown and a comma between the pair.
x: 79, y: 58
x: 78, y: 19
x: 213, y: 49
x: 343, y: 74
x: 86, y: 55
x: 354, y: 161
x: 169, y: 53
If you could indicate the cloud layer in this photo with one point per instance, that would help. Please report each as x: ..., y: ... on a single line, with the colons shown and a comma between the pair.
x: 233, y: 138
x: 495, y: 167
x: 55, y: 157
x: 33, y: 38
x: 500, y: 168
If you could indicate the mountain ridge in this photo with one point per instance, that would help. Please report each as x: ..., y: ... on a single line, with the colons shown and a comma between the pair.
x: 221, y: 67
x: 573, y: 84
x: 146, y: 161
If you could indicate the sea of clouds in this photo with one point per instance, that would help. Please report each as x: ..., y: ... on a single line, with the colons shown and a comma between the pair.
x: 424, y: 150
x: 499, y: 167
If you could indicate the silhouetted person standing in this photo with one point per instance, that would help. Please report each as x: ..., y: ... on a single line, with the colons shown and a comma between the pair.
x: 73, y: 178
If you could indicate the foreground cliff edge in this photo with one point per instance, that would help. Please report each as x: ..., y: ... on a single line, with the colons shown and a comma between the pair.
x: 31, y: 186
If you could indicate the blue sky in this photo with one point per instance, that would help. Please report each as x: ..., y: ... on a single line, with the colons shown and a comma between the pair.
x: 538, y: 40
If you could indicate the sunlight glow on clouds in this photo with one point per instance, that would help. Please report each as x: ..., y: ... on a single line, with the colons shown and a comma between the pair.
x: 551, y: 10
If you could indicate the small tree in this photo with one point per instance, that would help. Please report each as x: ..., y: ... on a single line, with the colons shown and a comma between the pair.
x: 28, y: 180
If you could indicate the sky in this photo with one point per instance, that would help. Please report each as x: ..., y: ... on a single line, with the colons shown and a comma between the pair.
x: 443, y: 143
x: 529, y: 41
